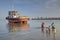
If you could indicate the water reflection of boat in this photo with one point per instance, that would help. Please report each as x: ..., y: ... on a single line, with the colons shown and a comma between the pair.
x: 14, y: 27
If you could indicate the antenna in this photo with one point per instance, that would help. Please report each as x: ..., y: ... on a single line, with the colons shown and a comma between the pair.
x: 12, y: 5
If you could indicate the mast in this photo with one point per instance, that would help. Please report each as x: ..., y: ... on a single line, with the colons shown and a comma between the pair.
x: 12, y: 5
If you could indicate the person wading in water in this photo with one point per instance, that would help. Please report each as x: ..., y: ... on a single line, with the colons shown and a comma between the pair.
x: 42, y: 25
x: 52, y: 25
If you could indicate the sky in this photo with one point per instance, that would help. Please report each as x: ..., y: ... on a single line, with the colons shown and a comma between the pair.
x: 31, y: 8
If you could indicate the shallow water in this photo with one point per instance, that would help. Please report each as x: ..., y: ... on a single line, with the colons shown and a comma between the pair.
x: 30, y: 31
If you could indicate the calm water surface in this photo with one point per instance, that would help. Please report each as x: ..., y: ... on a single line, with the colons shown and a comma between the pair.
x: 30, y: 31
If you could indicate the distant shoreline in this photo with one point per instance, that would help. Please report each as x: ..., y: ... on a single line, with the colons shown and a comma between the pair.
x: 45, y: 18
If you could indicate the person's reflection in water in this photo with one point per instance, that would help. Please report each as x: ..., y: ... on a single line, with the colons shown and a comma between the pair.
x: 15, y: 27
x: 42, y: 29
x: 47, y: 33
x: 54, y: 36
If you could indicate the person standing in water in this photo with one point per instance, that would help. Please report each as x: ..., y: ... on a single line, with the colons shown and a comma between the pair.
x: 54, y: 30
x: 48, y: 29
x: 42, y: 25
x: 52, y: 25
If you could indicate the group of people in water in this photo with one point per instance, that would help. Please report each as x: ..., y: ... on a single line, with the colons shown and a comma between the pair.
x: 48, y: 28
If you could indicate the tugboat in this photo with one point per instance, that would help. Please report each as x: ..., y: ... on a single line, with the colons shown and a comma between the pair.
x: 14, y: 17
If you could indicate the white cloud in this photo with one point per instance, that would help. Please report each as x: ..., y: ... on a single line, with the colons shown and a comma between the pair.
x: 53, y: 4
x: 53, y: 8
